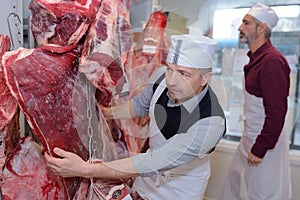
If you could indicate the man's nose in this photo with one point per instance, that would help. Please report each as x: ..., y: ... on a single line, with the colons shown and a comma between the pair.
x: 240, y: 28
x: 173, y: 78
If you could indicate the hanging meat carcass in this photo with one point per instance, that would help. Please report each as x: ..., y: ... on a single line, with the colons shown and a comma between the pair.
x: 58, y: 25
x: 23, y: 170
x: 108, y: 38
x: 52, y: 95
x: 149, y: 54
x: 106, y: 46
x: 40, y: 81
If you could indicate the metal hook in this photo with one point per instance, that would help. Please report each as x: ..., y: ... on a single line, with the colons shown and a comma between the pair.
x: 9, y: 26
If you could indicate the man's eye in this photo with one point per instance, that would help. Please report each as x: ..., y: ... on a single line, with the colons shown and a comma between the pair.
x: 170, y: 70
x: 185, y: 74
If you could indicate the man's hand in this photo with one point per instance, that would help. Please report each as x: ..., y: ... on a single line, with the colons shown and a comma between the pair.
x: 106, y: 111
x: 69, y: 165
x: 253, y: 160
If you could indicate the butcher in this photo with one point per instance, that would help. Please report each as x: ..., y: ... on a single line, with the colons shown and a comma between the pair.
x: 260, y: 169
x: 186, y: 124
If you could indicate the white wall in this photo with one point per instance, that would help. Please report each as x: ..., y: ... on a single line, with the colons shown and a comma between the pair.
x: 220, y: 163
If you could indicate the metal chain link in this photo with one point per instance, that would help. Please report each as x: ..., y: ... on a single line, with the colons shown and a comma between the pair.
x: 92, y: 144
x: 89, y: 116
x: 89, y: 129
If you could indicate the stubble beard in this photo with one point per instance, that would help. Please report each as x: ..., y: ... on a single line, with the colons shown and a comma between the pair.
x: 247, y: 39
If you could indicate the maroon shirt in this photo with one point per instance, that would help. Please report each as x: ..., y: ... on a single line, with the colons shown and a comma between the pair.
x: 267, y: 76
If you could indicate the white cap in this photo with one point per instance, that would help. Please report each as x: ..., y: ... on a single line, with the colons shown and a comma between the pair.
x: 264, y: 14
x: 194, y: 51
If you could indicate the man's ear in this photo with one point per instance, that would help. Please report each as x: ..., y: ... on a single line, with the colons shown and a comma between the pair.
x: 262, y: 27
x: 206, y: 78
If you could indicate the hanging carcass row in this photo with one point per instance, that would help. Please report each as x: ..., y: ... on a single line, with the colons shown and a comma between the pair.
x: 54, y: 96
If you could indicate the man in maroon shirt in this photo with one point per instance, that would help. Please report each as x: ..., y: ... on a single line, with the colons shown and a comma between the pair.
x: 260, y: 167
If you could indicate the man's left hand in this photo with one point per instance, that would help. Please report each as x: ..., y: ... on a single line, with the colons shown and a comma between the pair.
x: 253, y: 160
x: 69, y: 165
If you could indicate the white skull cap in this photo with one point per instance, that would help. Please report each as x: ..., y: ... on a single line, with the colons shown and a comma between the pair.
x: 264, y: 14
x: 194, y: 51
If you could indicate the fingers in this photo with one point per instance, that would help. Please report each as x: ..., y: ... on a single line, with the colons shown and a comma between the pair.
x: 253, y: 160
x: 52, y: 161
x: 64, y: 163
x: 60, y: 152
x: 47, y: 156
x: 50, y: 165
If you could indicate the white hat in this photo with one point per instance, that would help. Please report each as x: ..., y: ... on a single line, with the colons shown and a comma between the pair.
x: 192, y: 51
x: 264, y: 14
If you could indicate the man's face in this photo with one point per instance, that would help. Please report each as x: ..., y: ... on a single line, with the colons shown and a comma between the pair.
x: 248, y: 29
x: 183, y: 82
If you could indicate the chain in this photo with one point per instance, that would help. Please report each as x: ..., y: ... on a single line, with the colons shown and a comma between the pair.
x: 89, y: 118
x: 92, y: 144
x: 89, y: 129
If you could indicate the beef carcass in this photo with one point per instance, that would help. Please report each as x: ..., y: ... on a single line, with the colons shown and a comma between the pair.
x: 53, y: 97
x: 61, y: 23
x: 108, y: 37
x: 107, y: 43
x: 23, y: 169
x: 148, y: 55
x: 9, y: 112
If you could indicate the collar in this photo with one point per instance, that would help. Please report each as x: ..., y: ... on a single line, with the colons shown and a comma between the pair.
x: 190, y: 104
x: 260, y: 50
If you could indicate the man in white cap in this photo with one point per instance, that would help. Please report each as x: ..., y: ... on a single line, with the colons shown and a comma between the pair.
x: 186, y: 123
x: 260, y: 169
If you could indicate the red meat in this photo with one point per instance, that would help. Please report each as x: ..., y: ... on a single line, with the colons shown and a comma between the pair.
x: 9, y: 112
x: 61, y: 23
x: 25, y: 175
x: 108, y: 38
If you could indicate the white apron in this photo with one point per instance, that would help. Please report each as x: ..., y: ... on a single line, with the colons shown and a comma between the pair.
x: 188, y: 181
x: 269, y: 180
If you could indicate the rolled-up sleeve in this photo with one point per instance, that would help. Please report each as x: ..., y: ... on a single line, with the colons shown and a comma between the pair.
x: 182, y: 148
